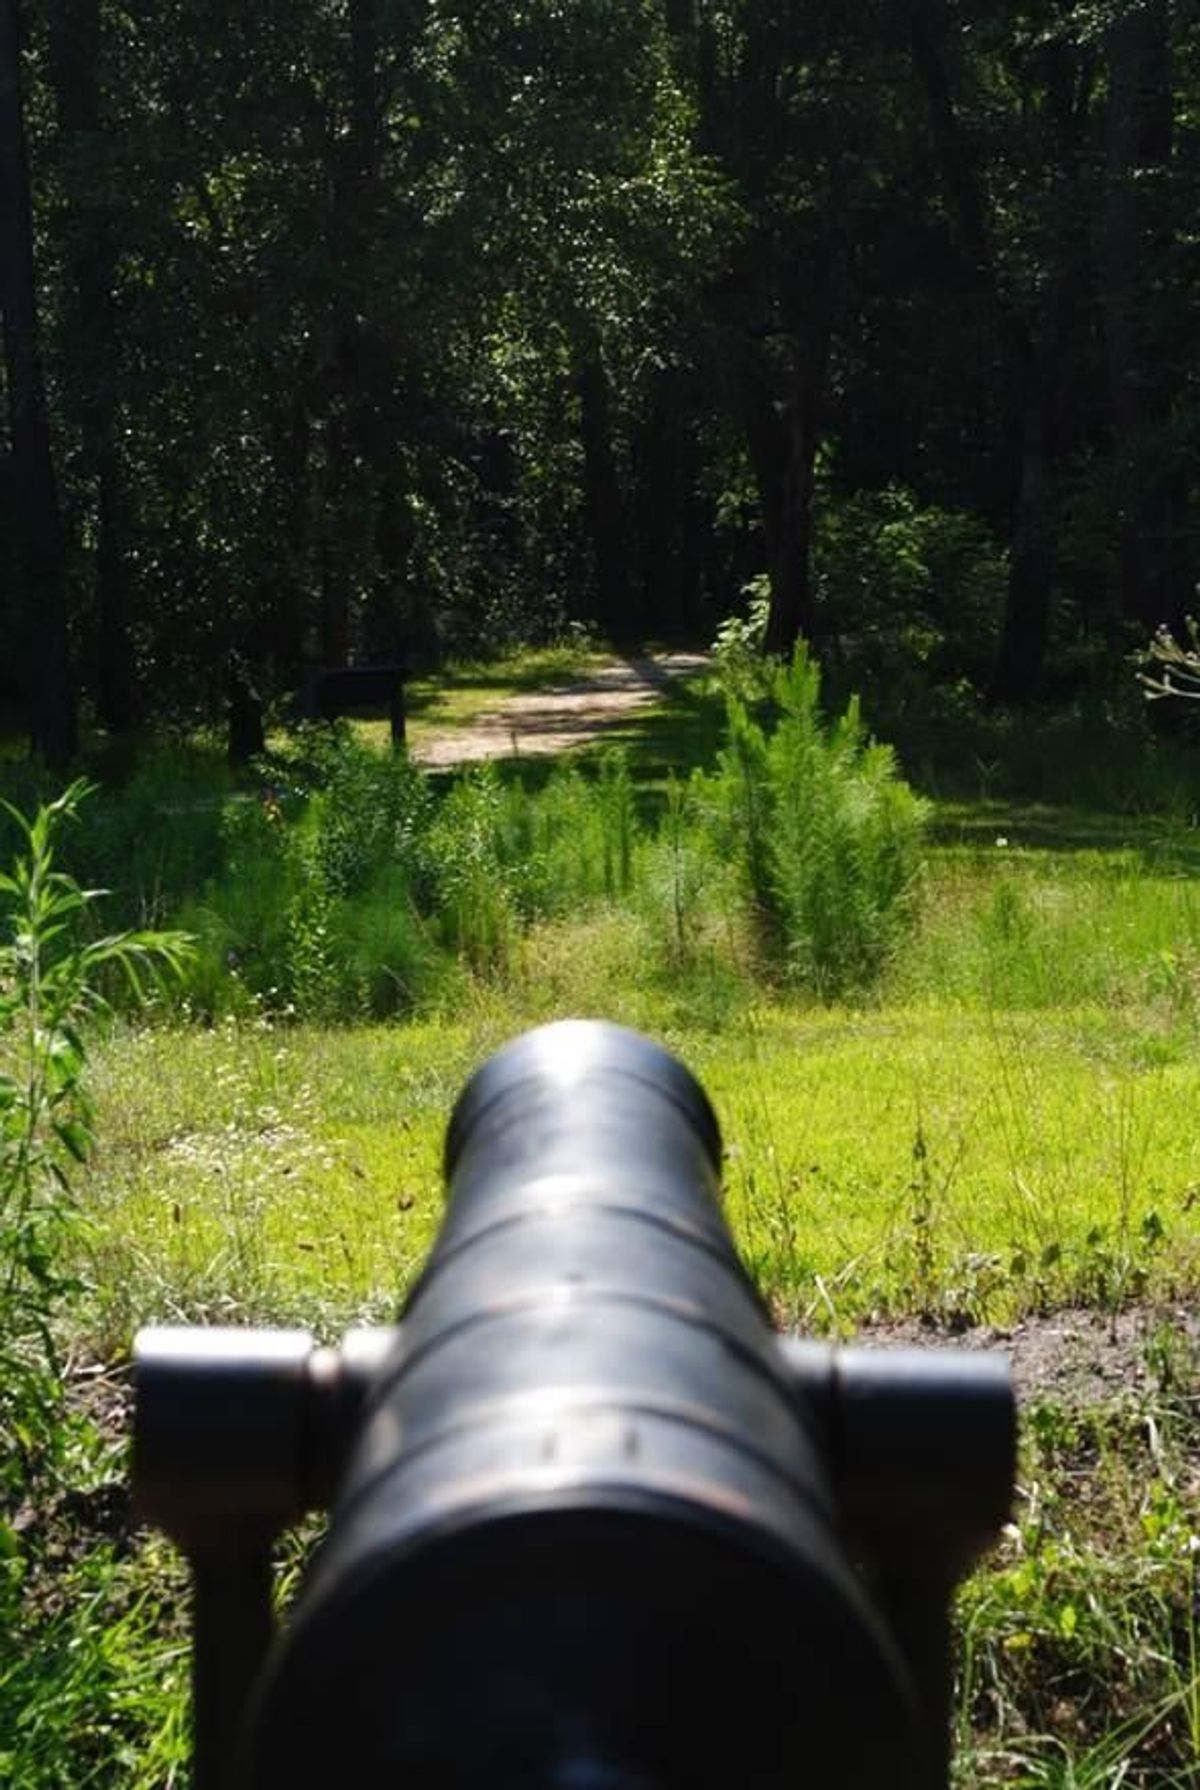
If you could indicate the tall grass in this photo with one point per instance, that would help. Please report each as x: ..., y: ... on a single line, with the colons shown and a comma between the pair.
x: 1079, y: 1664
x: 1012, y: 925
x: 51, y: 983
x: 346, y: 885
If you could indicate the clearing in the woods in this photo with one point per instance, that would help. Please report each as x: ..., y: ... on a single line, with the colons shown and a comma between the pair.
x: 574, y: 711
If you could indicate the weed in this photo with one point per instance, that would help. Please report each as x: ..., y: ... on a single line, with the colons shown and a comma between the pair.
x: 921, y: 1218
x: 50, y: 988
x: 96, y: 1691
x: 1077, y: 1653
x: 618, y: 821
x: 474, y: 902
x: 677, y: 861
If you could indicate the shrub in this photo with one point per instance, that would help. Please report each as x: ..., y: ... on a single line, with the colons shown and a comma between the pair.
x: 500, y: 856
x: 475, y: 908
x: 925, y: 585
x: 245, y: 924
x: 157, y: 837
x: 738, y: 646
x: 389, y: 960
x: 367, y: 809
x: 329, y: 826
x: 826, y: 834
x: 575, y: 842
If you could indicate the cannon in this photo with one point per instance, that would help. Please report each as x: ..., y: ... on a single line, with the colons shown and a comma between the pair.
x: 593, y: 1524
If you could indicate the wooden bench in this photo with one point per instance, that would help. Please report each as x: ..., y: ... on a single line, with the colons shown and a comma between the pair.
x: 331, y: 691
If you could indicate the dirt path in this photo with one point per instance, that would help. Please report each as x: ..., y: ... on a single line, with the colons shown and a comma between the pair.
x: 564, y: 715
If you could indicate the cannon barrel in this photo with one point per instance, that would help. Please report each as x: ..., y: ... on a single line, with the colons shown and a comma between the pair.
x: 594, y: 1526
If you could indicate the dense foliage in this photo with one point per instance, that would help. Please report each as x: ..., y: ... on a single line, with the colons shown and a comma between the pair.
x: 347, y: 884
x: 360, y: 329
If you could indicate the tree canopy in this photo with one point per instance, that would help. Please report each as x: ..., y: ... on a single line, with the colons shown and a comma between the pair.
x: 370, y: 329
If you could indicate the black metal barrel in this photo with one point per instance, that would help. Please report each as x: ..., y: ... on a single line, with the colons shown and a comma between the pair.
x: 586, y: 1540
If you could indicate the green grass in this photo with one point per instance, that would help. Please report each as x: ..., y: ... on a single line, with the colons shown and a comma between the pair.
x: 463, y: 689
x: 1018, y: 927
x: 973, y: 1165
x: 1003, y: 1125
x: 96, y: 1693
x: 1079, y: 1643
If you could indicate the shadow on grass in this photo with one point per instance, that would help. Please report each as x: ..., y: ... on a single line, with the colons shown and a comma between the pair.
x: 683, y: 731
x: 543, y: 668
x: 1159, y: 843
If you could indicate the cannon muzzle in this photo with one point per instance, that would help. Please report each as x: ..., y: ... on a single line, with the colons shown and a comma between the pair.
x: 593, y: 1525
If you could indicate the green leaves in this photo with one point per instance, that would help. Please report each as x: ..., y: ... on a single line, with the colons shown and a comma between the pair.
x: 825, y: 830
x: 51, y: 983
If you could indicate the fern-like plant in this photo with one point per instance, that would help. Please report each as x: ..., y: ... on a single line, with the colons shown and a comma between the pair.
x: 826, y: 831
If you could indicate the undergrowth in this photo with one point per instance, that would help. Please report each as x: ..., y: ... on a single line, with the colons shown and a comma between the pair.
x: 52, y: 979
x: 950, y: 1094
x: 1079, y: 1646
x: 347, y: 885
x: 72, y: 1693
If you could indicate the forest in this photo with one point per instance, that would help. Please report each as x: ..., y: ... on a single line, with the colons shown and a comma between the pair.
x: 372, y: 331
x: 762, y: 438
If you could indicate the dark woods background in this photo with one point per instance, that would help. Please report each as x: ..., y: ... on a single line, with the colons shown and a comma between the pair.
x: 371, y: 329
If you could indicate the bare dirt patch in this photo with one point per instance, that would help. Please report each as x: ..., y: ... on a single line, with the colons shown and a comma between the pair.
x: 1079, y: 1357
x: 561, y: 716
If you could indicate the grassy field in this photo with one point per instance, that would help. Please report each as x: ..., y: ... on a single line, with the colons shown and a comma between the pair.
x: 971, y: 1165
x: 1001, y: 1129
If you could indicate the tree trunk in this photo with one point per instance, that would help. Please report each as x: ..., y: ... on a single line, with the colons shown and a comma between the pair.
x: 338, y: 547
x: 603, y: 499
x: 93, y: 328
x: 1141, y: 367
x: 697, y: 529
x: 783, y: 442
x: 1035, y: 376
x: 40, y: 542
x: 1025, y: 634
x: 662, y: 468
x: 116, y: 693
x: 247, y: 739
x: 383, y: 625
x: 792, y: 614
x: 288, y: 576
x: 335, y: 605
